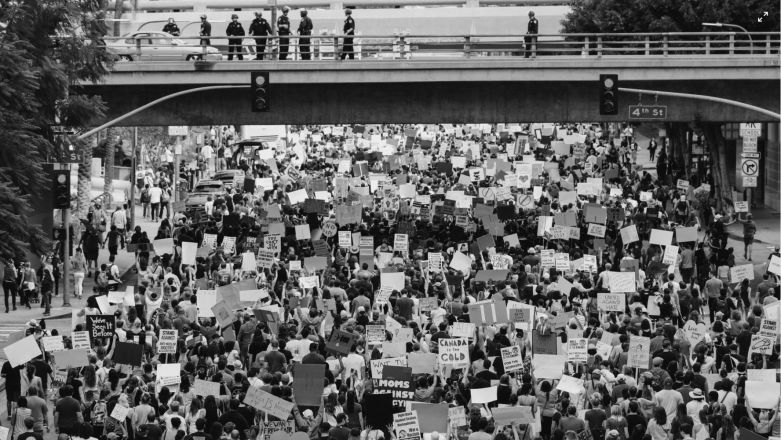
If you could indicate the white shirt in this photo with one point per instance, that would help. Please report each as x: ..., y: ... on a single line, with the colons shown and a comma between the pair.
x: 154, y: 194
x: 353, y: 362
x: 207, y: 151
x: 119, y: 219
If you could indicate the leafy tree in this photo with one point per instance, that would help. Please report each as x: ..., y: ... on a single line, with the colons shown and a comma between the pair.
x: 45, y: 57
x: 620, y: 16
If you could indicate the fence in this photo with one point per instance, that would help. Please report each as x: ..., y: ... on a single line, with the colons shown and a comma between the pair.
x: 158, y: 46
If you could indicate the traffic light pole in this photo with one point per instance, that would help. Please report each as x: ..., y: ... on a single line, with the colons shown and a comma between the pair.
x: 66, y: 254
x: 703, y: 98
x: 155, y: 102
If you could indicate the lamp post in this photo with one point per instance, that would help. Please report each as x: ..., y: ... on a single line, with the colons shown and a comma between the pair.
x: 735, y: 26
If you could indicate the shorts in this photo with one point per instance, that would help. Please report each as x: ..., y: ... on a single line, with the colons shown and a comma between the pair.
x: 748, y: 239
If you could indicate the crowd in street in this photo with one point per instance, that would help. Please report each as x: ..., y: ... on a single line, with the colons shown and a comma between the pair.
x: 479, y: 282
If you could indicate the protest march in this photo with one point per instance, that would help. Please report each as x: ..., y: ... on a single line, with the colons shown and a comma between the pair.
x: 471, y: 282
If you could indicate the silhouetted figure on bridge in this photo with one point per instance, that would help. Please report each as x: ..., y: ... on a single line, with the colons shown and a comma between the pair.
x: 260, y: 28
x: 531, y: 33
x: 206, y: 31
x: 283, y: 28
x: 304, y: 30
x: 349, y: 29
x: 235, y: 29
x: 171, y: 28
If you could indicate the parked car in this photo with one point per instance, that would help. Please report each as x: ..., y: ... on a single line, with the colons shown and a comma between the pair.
x: 228, y: 177
x: 202, y: 190
x: 160, y: 46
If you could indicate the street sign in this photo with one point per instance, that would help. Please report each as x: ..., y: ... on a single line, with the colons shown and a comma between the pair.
x: 177, y: 130
x: 750, y: 129
x: 750, y: 145
x: 648, y: 112
x: 749, y: 167
x: 72, y: 156
x: 749, y: 181
x: 746, y: 155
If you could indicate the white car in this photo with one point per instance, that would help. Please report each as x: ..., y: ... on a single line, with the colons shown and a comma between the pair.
x: 160, y: 46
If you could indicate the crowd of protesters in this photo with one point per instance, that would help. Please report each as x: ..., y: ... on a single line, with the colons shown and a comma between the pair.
x: 467, y: 183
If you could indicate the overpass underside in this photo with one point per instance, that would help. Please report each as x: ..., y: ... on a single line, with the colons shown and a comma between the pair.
x: 415, y: 92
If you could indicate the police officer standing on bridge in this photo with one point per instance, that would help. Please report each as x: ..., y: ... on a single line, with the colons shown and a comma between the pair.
x: 171, y: 28
x: 283, y: 28
x: 235, y: 29
x: 206, y: 30
x: 349, y: 29
x: 260, y: 28
x: 305, y: 30
x: 531, y: 33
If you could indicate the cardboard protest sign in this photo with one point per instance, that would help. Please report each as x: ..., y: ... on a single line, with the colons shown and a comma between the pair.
x: 596, y: 230
x: 100, y: 326
x: 340, y: 342
x: 661, y: 237
x: 570, y: 385
x: 484, y: 395
x: 462, y: 330
x: 422, y: 363
x: 577, y: 350
x: 128, y: 353
x: 629, y: 234
x: 639, y: 352
x: 454, y: 351
x: 406, y: 425
x: 512, y: 358
x: 622, y: 282
x: 277, y: 430
x: 742, y: 272
x: 547, y: 366
x: 378, y: 408
x: 491, y: 311
x: 544, y: 343
x: 308, y: 383
x: 53, y: 343
x: 377, y: 366
x: 268, y: 403
x: 760, y: 395
x: 686, y: 234
x: 224, y: 315
x: 611, y: 302
x: 512, y: 414
x: 72, y: 358
x: 80, y: 339
x: 166, y: 342
x: 431, y: 416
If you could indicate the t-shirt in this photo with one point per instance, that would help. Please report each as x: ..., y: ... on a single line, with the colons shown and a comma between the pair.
x: 155, y: 193
x: 67, y: 409
x: 275, y: 361
x: 595, y: 418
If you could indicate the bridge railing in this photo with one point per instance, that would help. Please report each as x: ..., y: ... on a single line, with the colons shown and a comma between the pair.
x: 156, y: 46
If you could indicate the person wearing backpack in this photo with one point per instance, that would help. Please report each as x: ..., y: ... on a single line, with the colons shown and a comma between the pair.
x: 146, y: 199
x: 150, y: 430
x: 9, y: 280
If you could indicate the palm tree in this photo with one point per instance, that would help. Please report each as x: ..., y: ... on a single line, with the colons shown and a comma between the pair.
x: 85, y: 177
x: 108, y: 177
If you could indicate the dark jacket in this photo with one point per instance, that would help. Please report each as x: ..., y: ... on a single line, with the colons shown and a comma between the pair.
x: 260, y: 26
x: 349, y: 26
x: 283, y: 25
x: 235, y: 29
x: 172, y: 29
x: 305, y: 27
x: 206, y: 29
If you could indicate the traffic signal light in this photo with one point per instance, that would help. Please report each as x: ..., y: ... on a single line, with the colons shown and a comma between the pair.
x: 260, y: 92
x: 62, y: 188
x: 608, y: 94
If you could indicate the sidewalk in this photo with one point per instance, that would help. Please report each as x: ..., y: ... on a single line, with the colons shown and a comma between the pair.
x: 124, y: 260
x: 767, y: 228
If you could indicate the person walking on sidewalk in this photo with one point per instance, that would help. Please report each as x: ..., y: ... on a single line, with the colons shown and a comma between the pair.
x: 79, y: 266
x: 749, y: 229
x: 9, y: 281
x: 119, y: 219
x: 27, y: 284
x: 47, y: 284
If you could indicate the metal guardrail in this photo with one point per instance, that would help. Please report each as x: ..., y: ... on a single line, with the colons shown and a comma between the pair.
x: 157, y: 46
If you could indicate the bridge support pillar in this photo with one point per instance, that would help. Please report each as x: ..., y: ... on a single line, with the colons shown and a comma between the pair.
x: 771, y: 179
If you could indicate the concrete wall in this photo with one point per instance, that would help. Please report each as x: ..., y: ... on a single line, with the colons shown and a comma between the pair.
x: 430, y: 102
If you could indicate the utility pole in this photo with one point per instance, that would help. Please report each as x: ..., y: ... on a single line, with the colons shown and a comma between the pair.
x: 133, y: 180
x: 174, y: 191
x: 274, y: 26
x: 66, y: 252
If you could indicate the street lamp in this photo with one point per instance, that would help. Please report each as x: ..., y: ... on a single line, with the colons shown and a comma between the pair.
x: 729, y: 25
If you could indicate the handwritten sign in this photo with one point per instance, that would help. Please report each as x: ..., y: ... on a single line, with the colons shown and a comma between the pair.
x: 166, y: 343
x: 577, y: 350
x: 611, y: 302
x: 511, y: 358
x: 267, y: 402
x: 639, y: 351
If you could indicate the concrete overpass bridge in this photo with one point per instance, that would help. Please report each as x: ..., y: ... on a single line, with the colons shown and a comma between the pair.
x: 460, y: 79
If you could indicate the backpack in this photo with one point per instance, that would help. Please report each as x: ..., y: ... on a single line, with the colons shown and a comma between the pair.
x: 97, y: 414
x: 145, y: 196
x: 102, y: 280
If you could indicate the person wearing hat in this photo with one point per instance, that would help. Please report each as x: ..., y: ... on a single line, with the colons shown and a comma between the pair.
x: 283, y: 29
x: 235, y: 29
x: 260, y: 28
x: 348, y: 29
x: 171, y: 27
x: 531, y: 33
x: 304, y: 30
x: 205, y: 31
